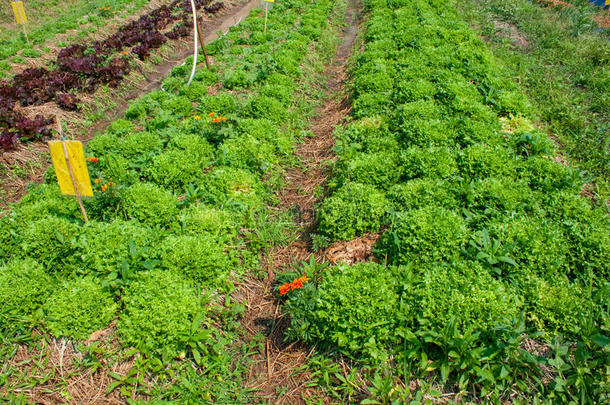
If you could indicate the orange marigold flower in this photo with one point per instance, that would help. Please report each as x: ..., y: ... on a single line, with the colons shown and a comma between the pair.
x: 284, y: 288
x: 223, y: 118
x: 211, y: 114
x: 197, y: 117
x: 91, y: 159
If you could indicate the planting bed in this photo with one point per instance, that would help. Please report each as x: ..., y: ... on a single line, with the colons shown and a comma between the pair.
x: 297, y: 226
x: 491, y: 274
x: 84, y: 67
x: 180, y: 211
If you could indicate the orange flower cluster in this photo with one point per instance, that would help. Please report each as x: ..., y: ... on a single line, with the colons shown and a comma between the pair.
x: 296, y: 284
x: 218, y: 119
x: 104, y: 186
x: 104, y: 8
x: 91, y: 159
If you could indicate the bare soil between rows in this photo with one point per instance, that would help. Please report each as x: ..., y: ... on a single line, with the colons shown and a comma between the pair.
x: 279, y: 367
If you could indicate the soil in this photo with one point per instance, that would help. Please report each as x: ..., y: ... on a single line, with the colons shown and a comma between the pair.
x: 512, y: 33
x: 32, y: 160
x: 58, y: 359
x: 279, y: 368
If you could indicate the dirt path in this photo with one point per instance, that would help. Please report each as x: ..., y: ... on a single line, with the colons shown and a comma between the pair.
x: 32, y: 159
x: 277, y: 368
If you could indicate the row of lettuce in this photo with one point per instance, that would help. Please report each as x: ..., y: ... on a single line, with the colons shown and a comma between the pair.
x: 487, y: 247
x: 181, y: 190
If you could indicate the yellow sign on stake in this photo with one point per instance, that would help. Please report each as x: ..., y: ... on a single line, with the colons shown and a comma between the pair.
x: 78, y: 166
x: 19, y: 12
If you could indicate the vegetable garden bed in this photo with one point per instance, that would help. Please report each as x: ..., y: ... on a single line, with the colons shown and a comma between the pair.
x: 481, y: 275
x: 180, y: 212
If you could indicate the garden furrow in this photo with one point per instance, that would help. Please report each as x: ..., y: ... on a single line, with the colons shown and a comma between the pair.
x: 277, y: 367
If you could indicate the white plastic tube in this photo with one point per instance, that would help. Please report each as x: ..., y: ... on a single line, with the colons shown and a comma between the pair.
x: 196, y: 51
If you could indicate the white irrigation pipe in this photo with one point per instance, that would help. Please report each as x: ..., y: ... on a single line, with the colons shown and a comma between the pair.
x: 196, y: 44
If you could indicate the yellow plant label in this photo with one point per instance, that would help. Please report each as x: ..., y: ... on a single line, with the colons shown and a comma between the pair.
x: 77, y: 164
x: 19, y: 12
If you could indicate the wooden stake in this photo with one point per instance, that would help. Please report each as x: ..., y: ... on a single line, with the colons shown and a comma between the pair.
x: 266, y: 9
x: 205, y: 54
x: 25, y: 32
x: 63, y: 143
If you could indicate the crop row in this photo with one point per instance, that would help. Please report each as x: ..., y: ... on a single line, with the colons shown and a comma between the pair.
x: 47, y: 19
x: 181, y: 187
x: 485, y: 241
x: 83, y: 68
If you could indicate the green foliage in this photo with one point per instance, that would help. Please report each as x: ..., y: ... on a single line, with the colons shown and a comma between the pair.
x: 201, y: 219
x: 379, y: 169
x: 265, y: 107
x: 466, y: 293
x: 150, y: 204
x: 265, y: 130
x: 234, y: 188
x: 235, y: 79
x: 50, y: 241
x: 557, y: 305
x: 378, y: 77
x: 221, y: 104
x: 195, y: 92
x: 428, y: 162
x: 199, y: 258
x: 120, y: 128
x: 174, y: 169
x: 103, y: 247
x: 540, y: 245
x: 420, y: 193
x: 24, y: 287
x: 247, y: 152
x: 79, y: 307
x: 281, y: 92
x: 159, y: 309
x: 483, y: 160
x: 136, y: 146
x: 424, y: 235
x: 45, y: 200
x: 356, y: 328
x: 352, y: 211
x: 546, y: 175
x: 179, y: 106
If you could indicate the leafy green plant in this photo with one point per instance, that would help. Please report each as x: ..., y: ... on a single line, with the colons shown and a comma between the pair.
x: 78, y: 308
x: 199, y: 258
x: 24, y: 287
x: 50, y: 241
x: 160, y: 308
x: 428, y: 234
x: 150, y: 204
x: 356, y: 328
x: 352, y: 211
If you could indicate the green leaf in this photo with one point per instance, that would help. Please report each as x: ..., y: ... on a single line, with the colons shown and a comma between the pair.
x: 601, y: 340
